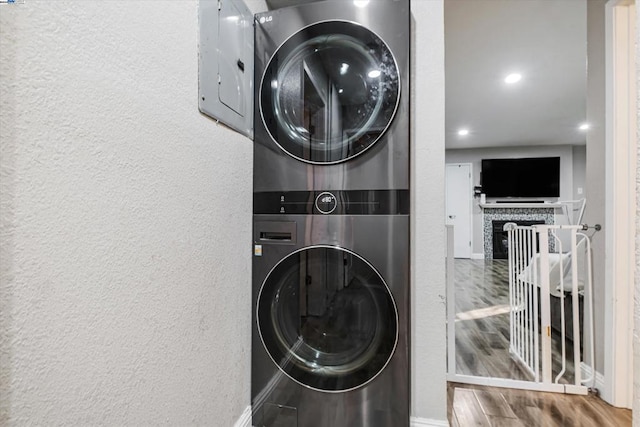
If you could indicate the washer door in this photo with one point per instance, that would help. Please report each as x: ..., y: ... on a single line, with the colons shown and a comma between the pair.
x: 327, y: 319
x: 329, y: 92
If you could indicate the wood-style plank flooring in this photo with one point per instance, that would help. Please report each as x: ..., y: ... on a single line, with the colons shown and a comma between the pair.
x: 482, y: 324
x: 470, y: 405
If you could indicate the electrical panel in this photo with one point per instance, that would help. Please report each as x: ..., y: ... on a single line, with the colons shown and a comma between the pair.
x: 225, y: 68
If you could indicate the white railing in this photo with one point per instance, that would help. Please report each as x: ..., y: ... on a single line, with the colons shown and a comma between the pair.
x: 536, y: 275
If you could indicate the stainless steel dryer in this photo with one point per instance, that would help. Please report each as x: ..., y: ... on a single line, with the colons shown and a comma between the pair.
x: 332, y: 96
x: 331, y: 309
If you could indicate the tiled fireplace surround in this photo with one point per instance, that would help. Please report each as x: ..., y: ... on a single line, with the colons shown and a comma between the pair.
x: 489, y: 215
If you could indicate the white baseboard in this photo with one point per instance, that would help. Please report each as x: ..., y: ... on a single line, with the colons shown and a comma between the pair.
x: 586, y: 373
x: 427, y: 422
x: 245, y: 418
x: 477, y: 256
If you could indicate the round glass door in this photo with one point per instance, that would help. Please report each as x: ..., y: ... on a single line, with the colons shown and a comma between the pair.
x: 329, y: 92
x: 327, y: 319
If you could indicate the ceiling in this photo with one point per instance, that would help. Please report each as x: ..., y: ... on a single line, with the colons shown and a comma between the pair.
x: 543, y: 40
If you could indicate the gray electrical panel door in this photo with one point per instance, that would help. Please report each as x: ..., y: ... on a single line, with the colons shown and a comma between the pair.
x: 226, y: 63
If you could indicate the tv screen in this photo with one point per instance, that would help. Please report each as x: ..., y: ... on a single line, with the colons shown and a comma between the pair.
x: 526, y: 177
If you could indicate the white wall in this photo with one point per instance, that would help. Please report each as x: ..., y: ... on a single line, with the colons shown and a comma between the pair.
x: 595, y: 175
x: 579, y: 170
x: 125, y: 274
x: 475, y: 156
x: 428, y: 352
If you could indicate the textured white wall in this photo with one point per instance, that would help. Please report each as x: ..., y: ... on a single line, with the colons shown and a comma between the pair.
x: 125, y: 217
x: 428, y: 353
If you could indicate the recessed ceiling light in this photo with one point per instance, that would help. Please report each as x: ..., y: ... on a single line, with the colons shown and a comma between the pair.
x: 463, y: 132
x: 360, y: 3
x: 374, y: 73
x: 513, y: 78
x: 584, y: 126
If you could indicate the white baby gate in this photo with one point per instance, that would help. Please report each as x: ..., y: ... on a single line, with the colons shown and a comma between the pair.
x: 537, y: 275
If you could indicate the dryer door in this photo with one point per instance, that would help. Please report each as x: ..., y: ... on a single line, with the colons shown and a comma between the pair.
x: 329, y: 92
x: 327, y: 319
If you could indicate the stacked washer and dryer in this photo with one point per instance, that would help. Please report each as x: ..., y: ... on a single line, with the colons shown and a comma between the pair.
x: 331, y: 215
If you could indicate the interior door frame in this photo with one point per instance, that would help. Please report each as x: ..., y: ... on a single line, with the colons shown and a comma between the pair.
x: 620, y: 211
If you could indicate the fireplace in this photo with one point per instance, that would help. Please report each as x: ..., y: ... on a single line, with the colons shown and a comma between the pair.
x: 500, y: 240
x: 525, y: 213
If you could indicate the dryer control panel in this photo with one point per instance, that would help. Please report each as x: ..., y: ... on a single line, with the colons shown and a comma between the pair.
x: 349, y: 202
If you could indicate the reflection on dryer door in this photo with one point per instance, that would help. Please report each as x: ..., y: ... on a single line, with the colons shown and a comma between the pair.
x: 329, y: 92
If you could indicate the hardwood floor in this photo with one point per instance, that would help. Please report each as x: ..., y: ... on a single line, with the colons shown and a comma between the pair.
x: 482, y: 324
x: 501, y: 407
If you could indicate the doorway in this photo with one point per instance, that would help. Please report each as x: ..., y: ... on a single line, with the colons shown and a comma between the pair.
x: 609, y: 167
x: 516, y: 89
x: 458, y: 196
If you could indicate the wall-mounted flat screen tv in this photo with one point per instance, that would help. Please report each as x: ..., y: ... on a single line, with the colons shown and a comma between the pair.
x: 525, y: 177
